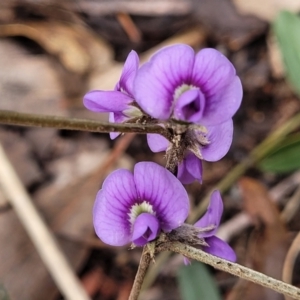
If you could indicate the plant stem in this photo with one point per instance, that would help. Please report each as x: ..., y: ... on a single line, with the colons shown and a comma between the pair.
x: 140, y: 275
x: 232, y: 268
x: 23, y: 119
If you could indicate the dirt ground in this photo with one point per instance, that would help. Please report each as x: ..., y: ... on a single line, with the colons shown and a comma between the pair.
x: 51, y: 54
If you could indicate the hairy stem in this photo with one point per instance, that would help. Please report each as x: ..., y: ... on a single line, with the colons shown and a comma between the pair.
x: 140, y: 275
x: 23, y: 119
x: 232, y: 268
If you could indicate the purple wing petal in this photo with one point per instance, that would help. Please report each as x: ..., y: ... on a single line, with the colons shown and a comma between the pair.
x: 220, y: 138
x: 116, y: 118
x: 219, y: 248
x: 157, y: 80
x: 183, y: 174
x: 113, y: 203
x: 194, y: 166
x: 190, y: 169
x: 110, y: 101
x: 212, y: 216
x: 190, y: 106
x: 145, y: 229
x: 130, y: 68
x: 164, y: 191
x: 186, y: 261
x: 216, y: 77
x: 157, y: 142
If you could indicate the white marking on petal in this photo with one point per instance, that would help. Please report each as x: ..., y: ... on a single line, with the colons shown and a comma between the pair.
x: 137, y: 209
x: 181, y: 89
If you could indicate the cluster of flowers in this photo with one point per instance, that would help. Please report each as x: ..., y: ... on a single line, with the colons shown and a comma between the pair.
x: 200, y: 91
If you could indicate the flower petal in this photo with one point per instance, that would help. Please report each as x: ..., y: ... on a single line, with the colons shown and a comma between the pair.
x: 228, y: 99
x: 116, y: 118
x: 164, y: 192
x: 130, y: 68
x: 220, y: 138
x: 212, y: 216
x: 186, y: 261
x: 219, y: 248
x: 190, y: 169
x: 113, y: 203
x: 145, y: 229
x: 157, y: 142
x: 157, y: 80
x: 106, y: 101
x: 194, y: 166
x: 216, y: 77
x: 190, y: 106
x: 183, y: 174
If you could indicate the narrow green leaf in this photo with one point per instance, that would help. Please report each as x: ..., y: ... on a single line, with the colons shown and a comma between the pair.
x: 3, y: 293
x: 287, y: 31
x: 285, y: 158
x: 195, y: 282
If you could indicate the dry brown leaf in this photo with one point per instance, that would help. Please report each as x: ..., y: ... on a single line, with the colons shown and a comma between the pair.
x: 267, y: 9
x: 221, y: 17
x: 20, y: 153
x: 268, y: 244
x: 96, y: 281
x: 28, y: 83
x: 75, y: 46
x: 258, y: 203
x: 66, y: 205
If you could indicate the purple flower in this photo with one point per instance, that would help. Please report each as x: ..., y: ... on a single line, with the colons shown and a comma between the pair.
x: 120, y: 102
x: 219, y: 139
x: 136, y: 207
x: 212, y: 219
x: 178, y: 84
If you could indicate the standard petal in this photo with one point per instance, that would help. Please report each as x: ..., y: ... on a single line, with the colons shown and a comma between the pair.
x: 190, y: 106
x: 145, y: 229
x: 223, y: 104
x: 157, y: 80
x: 220, y: 138
x: 110, y: 101
x: 130, y: 68
x: 215, y: 75
x: 164, y: 192
x: 113, y: 203
x: 190, y: 169
x: 212, y: 216
x: 218, y: 247
x: 157, y: 142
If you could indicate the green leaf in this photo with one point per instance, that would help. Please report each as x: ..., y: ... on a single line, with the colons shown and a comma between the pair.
x: 285, y: 158
x: 287, y: 31
x: 3, y: 293
x: 195, y: 282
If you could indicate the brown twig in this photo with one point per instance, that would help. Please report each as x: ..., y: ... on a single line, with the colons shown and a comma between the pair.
x: 232, y: 268
x: 129, y: 27
x: 23, y: 119
x: 41, y: 237
x: 288, y: 266
x: 140, y: 275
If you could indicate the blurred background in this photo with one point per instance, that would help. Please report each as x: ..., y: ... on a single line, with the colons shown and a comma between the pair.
x: 52, y: 52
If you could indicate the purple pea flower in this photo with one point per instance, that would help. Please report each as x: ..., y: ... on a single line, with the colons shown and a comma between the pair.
x: 176, y: 83
x: 136, y: 207
x: 212, y: 219
x: 190, y: 169
x: 120, y: 102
